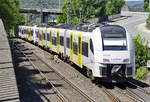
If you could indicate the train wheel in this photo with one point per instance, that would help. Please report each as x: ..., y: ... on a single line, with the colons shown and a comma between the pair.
x: 90, y: 75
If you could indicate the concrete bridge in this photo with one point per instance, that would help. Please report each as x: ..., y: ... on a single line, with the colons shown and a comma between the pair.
x: 45, y: 12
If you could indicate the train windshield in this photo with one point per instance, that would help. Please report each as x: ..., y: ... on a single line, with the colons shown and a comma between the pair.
x: 114, y: 38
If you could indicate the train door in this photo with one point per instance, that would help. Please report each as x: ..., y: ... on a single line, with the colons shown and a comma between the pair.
x: 79, y: 50
x: 21, y: 31
x: 27, y: 34
x: 42, y: 36
x: 45, y: 37
x: 30, y: 33
x: 91, y: 54
x: 50, y: 37
x: 71, y: 46
x: 65, y: 32
x: 39, y: 36
x: 58, y: 41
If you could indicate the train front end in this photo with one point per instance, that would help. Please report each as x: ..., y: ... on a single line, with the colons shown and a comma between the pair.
x: 115, y: 59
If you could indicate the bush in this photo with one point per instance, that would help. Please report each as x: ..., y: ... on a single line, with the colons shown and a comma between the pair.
x: 141, y: 51
x: 141, y: 72
x: 148, y: 20
x: 141, y: 55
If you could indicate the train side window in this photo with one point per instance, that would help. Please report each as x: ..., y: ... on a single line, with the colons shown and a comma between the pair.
x: 91, y: 46
x: 40, y: 36
x: 79, y: 45
x: 25, y: 31
x: 44, y: 36
x: 68, y: 42
x: 48, y: 37
x: 75, y: 48
x: 32, y: 32
x: 61, y: 40
x: 37, y: 33
x: 85, y: 48
x: 71, y: 41
x: 54, y: 41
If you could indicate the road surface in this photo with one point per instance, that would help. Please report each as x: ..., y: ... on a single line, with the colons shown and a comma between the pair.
x: 135, y: 23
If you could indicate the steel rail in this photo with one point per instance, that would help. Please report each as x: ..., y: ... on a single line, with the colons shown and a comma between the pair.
x: 115, y: 99
x: 66, y: 80
x: 135, y: 95
x: 59, y: 94
x: 139, y: 88
x: 127, y: 94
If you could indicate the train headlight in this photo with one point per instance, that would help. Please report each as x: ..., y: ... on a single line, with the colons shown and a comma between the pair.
x: 106, y: 60
x: 126, y: 60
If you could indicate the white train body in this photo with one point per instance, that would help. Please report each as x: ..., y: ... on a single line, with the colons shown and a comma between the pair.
x: 107, y: 52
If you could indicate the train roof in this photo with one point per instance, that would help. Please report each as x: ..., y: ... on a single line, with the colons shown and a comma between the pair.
x: 64, y: 26
x: 88, y: 27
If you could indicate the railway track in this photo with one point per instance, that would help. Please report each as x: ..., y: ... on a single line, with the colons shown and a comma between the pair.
x: 35, y: 59
x: 139, y: 88
x: 133, y: 91
x: 113, y: 97
x: 128, y: 92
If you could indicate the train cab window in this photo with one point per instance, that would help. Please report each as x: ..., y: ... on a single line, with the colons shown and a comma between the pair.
x: 75, y: 48
x: 61, y: 40
x: 91, y: 46
x: 54, y: 41
x: 114, y: 38
x: 48, y: 39
x: 85, y: 48
x: 68, y: 42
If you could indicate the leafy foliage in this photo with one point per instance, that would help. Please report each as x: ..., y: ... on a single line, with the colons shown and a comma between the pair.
x: 148, y: 22
x: 85, y: 9
x: 141, y: 51
x: 141, y: 72
x: 9, y: 13
x: 141, y: 56
x: 146, y: 5
x: 114, y: 6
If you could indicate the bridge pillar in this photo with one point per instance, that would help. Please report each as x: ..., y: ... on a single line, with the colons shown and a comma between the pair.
x: 44, y: 18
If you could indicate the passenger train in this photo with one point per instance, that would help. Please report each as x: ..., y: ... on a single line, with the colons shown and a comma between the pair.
x: 105, y: 51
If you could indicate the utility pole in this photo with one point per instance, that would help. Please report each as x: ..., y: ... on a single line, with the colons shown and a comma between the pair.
x: 69, y: 12
x: 41, y: 10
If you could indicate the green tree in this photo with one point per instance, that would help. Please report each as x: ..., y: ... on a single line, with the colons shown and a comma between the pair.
x: 85, y: 9
x: 9, y: 13
x: 114, y: 6
x: 146, y: 5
